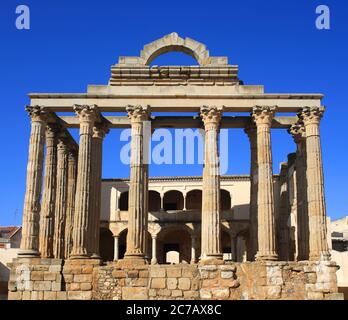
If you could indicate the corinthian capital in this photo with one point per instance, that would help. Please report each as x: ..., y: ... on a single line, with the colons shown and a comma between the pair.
x: 52, y: 130
x: 138, y: 113
x: 211, y: 115
x: 311, y: 115
x: 297, y: 131
x: 86, y: 113
x: 100, y: 130
x: 263, y: 114
x: 37, y: 113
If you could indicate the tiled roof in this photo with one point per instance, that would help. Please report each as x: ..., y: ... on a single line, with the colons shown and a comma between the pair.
x: 9, y: 232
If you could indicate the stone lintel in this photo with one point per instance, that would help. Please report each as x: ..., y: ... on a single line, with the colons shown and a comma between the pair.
x: 282, y: 122
x: 175, y: 101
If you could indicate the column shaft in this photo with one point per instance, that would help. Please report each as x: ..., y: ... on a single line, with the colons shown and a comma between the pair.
x: 211, y: 241
x: 193, y: 249
x: 31, y: 210
x: 87, y: 116
x: 49, y: 193
x: 318, y: 247
x: 263, y: 116
x: 99, y: 132
x: 136, y: 208
x: 253, y: 239
x: 61, y: 197
x: 154, y: 250
x: 70, y: 204
x: 298, y: 133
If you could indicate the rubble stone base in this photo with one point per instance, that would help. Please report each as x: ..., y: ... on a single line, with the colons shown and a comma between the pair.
x: 87, y: 279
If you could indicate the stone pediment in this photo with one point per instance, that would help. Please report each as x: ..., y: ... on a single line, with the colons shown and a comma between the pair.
x: 209, y: 69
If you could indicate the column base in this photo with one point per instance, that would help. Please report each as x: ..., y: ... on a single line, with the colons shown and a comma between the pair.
x: 215, y: 258
x: 28, y: 254
x: 266, y: 257
x: 323, y: 256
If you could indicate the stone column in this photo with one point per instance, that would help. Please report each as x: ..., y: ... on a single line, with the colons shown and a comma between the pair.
x: 99, y: 132
x: 184, y: 195
x: 284, y: 213
x: 87, y: 115
x: 263, y: 116
x: 136, y: 207
x: 154, y: 250
x: 211, y: 239
x: 116, y: 254
x: 49, y: 193
x: 193, y: 249
x: 61, y: 197
x: 298, y: 133
x: 31, y: 210
x: 251, y: 131
x: 318, y: 247
x: 70, y: 203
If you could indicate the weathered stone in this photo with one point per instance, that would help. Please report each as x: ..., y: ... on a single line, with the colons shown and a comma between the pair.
x: 172, y: 283
x: 79, y: 295
x: 173, y: 272
x: 157, y: 272
x: 158, y: 283
x: 184, y: 283
x: 134, y: 293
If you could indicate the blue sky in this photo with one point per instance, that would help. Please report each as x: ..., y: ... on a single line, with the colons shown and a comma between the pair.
x: 73, y: 43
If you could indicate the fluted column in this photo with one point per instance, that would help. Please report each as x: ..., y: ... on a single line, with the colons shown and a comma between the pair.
x: 70, y: 203
x: 49, y: 193
x: 251, y: 131
x: 61, y: 197
x: 318, y: 247
x: 211, y: 241
x: 298, y: 133
x: 87, y: 115
x: 284, y: 213
x: 31, y: 210
x: 154, y: 250
x: 146, y: 207
x: 136, y: 207
x: 99, y: 132
x: 263, y: 116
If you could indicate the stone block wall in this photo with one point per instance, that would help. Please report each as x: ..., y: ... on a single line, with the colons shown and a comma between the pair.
x: 45, y: 279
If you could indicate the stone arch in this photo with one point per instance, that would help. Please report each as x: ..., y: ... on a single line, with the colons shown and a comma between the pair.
x: 154, y: 200
x: 174, y: 238
x: 225, y: 199
x: 173, y: 200
x: 173, y: 42
x: 123, y: 201
x: 194, y: 200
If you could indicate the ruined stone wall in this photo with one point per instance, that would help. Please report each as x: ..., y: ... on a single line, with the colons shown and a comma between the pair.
x: 39, y: 279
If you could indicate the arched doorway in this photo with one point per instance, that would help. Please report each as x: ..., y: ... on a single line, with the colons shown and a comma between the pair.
x: 173, y: 200
x: 194, y: 200
x: 174, y: 239
x: 225, y: 199
x: 106, y: 244
x: 123, y: 201
x: 154, y: 201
